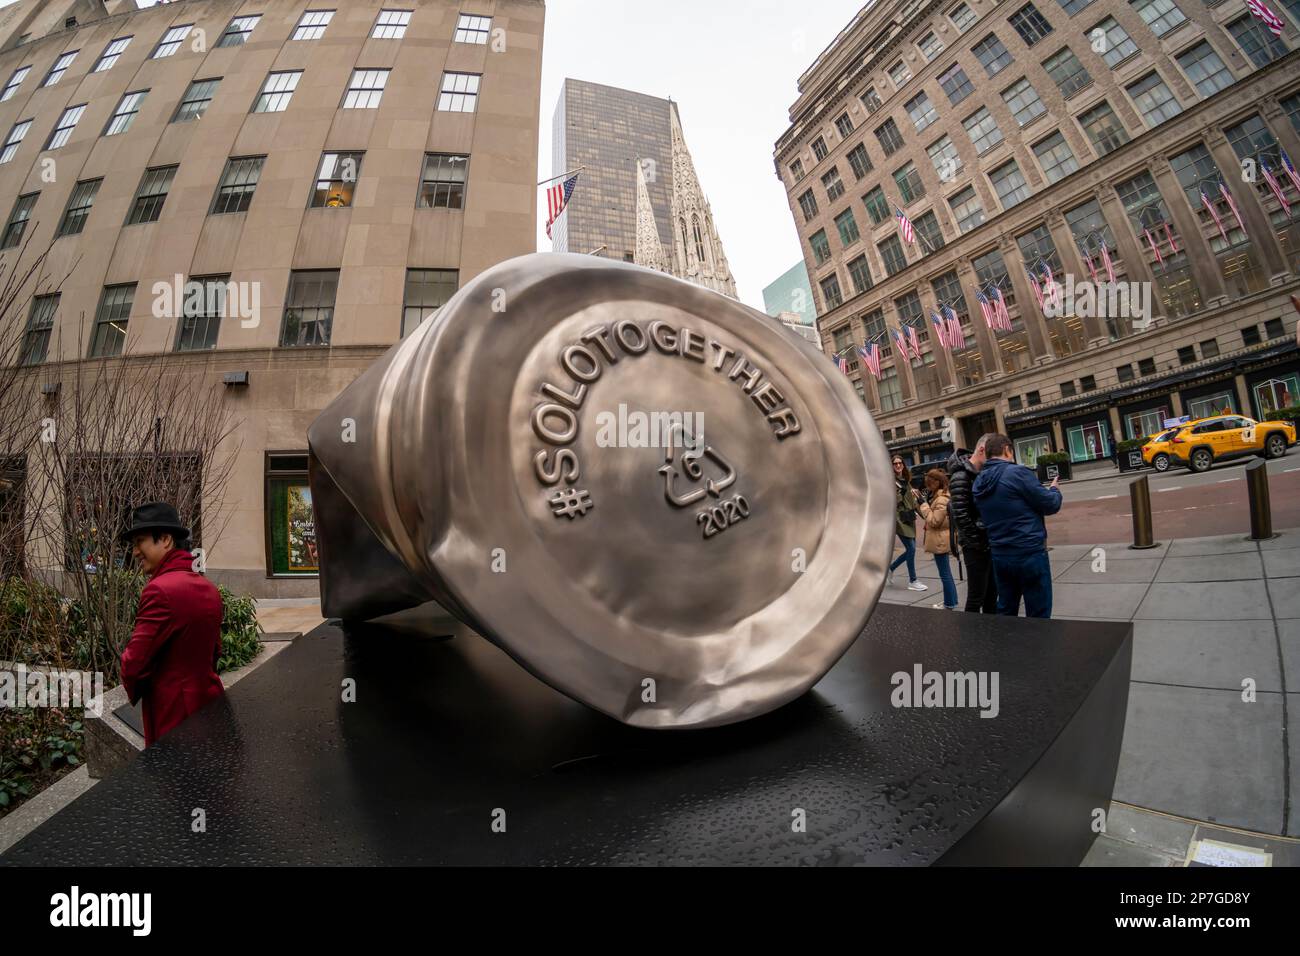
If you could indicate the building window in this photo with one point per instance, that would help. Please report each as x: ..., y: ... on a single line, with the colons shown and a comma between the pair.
x: 79, y: 206
x: 1009, y: 184
x: 927, y: 228
x: 200, y: 319
x: 1023, y: 102
x: 1153, y: 99
x: 442, y: 184
x: 312, y: 25
x: 921, y: 110
x: 17, y: 224
x: 982, y: 130
x: 956, y: 84
x: 1118, y: 45
x: 1125, y: 373
x: 796, y: 170
x: 151, y: 195
x: 819, y: 149
x: 1146, y: 366
x: 943, y: 154
x: 472, y: 29
x: 336, y: 179
x: 14, y: 138
x: 459, y: 92
x: 1256, y: 41
x: 1073, y: 6
x: 391, y: 25
x: 890, y: 138
x: 309, y: 308
x: 1103, y: 128
x: 64, y: 127
x: 808, y: 205
x: 966, y: 209
x: 40, y: 325
x: 1056, y: 157
x: 1067, y: 389
x: 1204, y: 68
x: 1210, y: 348
x: 1250, y: 137
x: 59, y: 68
x: 891, y: 254
x: 1160, y: 15
x: 1030, y: 24
x: 848, y: 227
x: 1250, y: 335
x: 1291, y: 105
x: 111, y: 320
x: 832, y: 184
x: 1066, y: 71
x: 1089, y: 228
x: 238, y: 32
x: 860, y: 273
x: 277, y: 91
x: 871, y: 99
x: 1033, y: 398
x: 962, y: 16
x: 1015, y: 403
x: 899, y: 74
x: 171, y: 41
x: 195, y: 102
x: 426, y: 291
x: 365, y: 89
x: 931, y: 46
x: 821, y: 248
x: 238, y: 183
x: 15, y: 81
x: 891, y: 395
x: 1273, y: 329
x: 1088, y: 383
x: 1186, y: 355
x: 290, y: 517
x: 991, y: 269
x: 859, y: 162
x: 877, y: 206
x: 992, y: 54
x: 909, y: 184
x: 831, y: 296
x: 124, y: 115
x: 111, y: 54
x: 844, y: 125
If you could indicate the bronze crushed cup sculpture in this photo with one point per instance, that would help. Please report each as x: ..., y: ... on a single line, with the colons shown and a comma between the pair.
x: 657, y: 500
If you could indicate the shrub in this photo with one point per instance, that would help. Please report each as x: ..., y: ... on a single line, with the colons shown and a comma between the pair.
x: 240, y: 633
x: 1129, y: 443
x: 37, y: 745
x: 1054, y: 458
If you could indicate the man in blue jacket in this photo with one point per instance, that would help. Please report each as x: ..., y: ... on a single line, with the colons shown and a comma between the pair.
x: 1012, y: 505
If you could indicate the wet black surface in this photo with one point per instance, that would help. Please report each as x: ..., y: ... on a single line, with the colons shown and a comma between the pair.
x: 444, y: 732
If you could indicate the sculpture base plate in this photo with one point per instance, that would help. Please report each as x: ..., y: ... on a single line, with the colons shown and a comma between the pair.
x: 448, y: 736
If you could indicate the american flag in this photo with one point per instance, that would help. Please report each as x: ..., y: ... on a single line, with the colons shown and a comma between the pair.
x: 901, y: 338
x: 1037, y: 289
x: 1290, y: 169
x: 1271, y: 19
x: 557, y: 197
x: 871, y: 358
x: 916, y: 342
x: 905, y: 226
x: 1000, y: 313
x: 842, y: 363
x: 1105, y: 260
x: 1232, y: 204
x: 986, y: 307
x: 1214, y: 214
x: 1274, y: 185
x: 940, y: 330
x: 1173, y: 246
x: 1050, y: 288
x: 1154, y: 248
x: 955, y: 334
x: 1092, y: 269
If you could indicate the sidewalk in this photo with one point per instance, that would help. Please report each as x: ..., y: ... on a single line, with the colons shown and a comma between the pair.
x: 1212, y: 619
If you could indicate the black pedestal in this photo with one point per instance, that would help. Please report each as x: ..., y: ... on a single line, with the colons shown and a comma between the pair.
x: 445, y: 733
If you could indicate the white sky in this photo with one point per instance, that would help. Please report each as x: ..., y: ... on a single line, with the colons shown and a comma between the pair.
x: 732, y: 66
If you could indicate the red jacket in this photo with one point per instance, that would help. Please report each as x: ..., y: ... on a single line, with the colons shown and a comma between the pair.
x: 170, y: 660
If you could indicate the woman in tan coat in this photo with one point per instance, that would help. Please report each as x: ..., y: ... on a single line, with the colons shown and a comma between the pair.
x: 938, y: 533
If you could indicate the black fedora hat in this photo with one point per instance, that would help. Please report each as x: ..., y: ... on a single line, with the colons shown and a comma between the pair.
x: 155, y: 516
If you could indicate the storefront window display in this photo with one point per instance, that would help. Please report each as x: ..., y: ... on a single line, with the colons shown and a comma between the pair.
x: 1089, y: 441
x: 1279, y: 392
x: 1220, y: 403
x: 1028, y: 449
x: 291, y: 522
x: 1146, y: 422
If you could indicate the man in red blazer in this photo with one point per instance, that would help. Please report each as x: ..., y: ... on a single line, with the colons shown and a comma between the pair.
x: 170, y: 661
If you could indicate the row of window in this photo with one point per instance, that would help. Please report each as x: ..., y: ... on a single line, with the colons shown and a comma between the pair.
x: 307, y: 321
x: 459, y: 94
x: 389, y: 25
x: 442, y: 186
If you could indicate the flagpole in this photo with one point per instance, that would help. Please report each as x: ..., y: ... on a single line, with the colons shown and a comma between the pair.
x: 562, y: 175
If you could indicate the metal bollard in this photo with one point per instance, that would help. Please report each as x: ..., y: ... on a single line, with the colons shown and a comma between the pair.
x: 1139, y: 493
x: 1261, y: 510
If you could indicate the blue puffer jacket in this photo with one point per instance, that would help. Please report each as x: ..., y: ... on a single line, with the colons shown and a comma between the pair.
x: 1012, y: 504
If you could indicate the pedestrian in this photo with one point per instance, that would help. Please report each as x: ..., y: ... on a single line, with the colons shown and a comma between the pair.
x: 1013, y: 504
x: 169, y: 664
x: 973, y: 539
x: 938, y: 533
x: 905, y: 525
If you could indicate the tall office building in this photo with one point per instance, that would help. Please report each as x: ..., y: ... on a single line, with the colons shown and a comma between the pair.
x: 354, y: 163
x: 1070, y: 138
x: 638, y: 198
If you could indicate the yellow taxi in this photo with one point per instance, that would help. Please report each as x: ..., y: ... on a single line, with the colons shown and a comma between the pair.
x: 1155, y: 451
x: 1199, y: 444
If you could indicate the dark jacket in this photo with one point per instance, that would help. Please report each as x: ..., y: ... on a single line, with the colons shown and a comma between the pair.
x: 964, y: 514
x: 169, y: 663
x: 1012, y: 503
x: 905, y: 502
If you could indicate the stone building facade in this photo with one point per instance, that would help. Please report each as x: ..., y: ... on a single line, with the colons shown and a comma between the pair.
x: 1048, y: 137
x: 638, y: 198
x: 356, y: 162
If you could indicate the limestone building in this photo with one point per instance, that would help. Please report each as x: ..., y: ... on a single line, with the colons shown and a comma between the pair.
x: 355, y: 162
x: 638, y: 198
x: 1048, y: 137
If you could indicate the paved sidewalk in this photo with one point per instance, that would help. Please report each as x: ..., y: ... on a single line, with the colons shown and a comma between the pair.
x: 1211, y: 617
